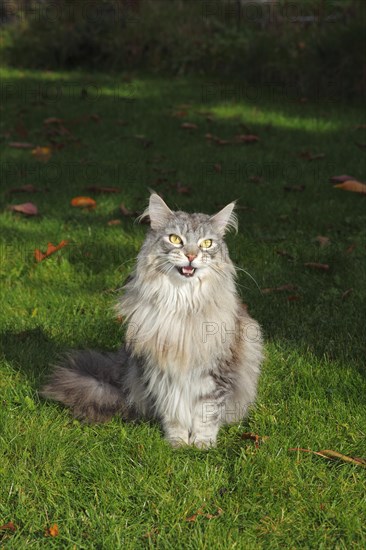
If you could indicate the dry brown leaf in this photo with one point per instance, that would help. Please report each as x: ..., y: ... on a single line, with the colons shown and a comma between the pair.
x: 182, y: 189
x: 360, y: 127
x: 307, y: 155
x: 200, y: 512
x: 340, y: 179
x: 8, y: 527
x: 218, y: 168
x: 315, y: 265
x: 298, y: 188
x: 27, y: 188
x: 281, y: 288
x: 114, y: 222
x: 52, y: 531
x: 26, y: 208
x: 42, y: 154
x: 83, y: 202
x: 219, y: 141
x: 52, y: 120
x: 347, y: 293
x: 246, y: 138
x: 126, y: 212
x: 350, y: 248
x: 254, y: 437
x: 352, y: 185
x: 293, y: 298
x: 95, y: 118
x: 97, y: 189
x: 21, y: 130
x: 285, y: 254
x: 323, y: 241
x: 20, y: 145
x: 180, y: 114
x: 51, y: 249
x: 361, y: 145
x: 189, y: 126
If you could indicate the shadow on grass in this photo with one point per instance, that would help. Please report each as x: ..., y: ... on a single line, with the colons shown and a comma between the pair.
x: 121, y: 129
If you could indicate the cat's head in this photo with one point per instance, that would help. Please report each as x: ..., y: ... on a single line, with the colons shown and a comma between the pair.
x: 188, y: 247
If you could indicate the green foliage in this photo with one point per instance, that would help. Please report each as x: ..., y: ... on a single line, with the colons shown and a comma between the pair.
x: 314, y: 47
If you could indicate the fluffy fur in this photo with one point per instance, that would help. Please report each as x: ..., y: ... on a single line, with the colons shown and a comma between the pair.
x: 192, y: 354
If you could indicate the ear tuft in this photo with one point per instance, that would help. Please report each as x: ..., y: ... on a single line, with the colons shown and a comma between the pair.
x: 225, y: 219
x: 158, y: 212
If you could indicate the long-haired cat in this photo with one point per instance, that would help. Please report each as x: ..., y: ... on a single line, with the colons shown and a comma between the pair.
x: 192, y: 354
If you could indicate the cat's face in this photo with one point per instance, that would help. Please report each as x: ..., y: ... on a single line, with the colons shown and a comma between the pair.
x: 188, y: 247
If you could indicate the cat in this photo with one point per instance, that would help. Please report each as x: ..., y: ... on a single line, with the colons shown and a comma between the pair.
x: 192, y: 355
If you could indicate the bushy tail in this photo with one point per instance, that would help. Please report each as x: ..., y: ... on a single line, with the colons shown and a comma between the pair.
x: 90, y: 383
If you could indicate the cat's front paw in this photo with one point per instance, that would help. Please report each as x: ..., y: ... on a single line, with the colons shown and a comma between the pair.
x: 205, y: 443
x: 177, y: 442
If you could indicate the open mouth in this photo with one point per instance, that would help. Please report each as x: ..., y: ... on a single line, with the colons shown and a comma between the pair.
x: 187, y: 271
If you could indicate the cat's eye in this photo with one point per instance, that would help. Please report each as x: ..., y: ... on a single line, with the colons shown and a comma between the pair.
x: 174, y: 239
x: 207, y: 243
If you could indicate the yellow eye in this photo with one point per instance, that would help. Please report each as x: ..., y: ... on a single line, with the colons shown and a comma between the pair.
x: 175, y: 239
x: 207, y: 243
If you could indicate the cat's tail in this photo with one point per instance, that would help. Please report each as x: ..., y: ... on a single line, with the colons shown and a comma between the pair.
x: 91, y: 384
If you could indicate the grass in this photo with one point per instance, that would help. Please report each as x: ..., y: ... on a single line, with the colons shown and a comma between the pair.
x: 118, y: 485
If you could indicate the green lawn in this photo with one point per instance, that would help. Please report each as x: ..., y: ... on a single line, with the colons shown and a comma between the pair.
x: 121, y: 486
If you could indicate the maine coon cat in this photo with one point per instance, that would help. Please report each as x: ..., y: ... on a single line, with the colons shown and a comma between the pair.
x: 192, y: 354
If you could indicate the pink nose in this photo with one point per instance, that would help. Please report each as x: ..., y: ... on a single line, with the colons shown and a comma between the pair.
x: 191, y: 257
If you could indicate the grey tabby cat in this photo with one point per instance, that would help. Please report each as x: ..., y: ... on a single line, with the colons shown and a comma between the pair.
x: 192, y: 355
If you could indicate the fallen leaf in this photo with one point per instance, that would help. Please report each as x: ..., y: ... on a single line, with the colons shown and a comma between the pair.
x: 246, y: 138
x: 83, y: 202
x: 285, y: 254
x: 52, y: 120
x: 126, y: 212
x: 52, y: 531
x: 180, y: 114
x: 307, y: 155
x: 340, y: 179
x: 114, y: 222
x: 360, y: 127
x: 20, y: 145
x: 254, y: 437
x: 189, y: 126
x: 347, y: 293
x: 42, y: 154
x: 97, y: 189
x: 281, y: 288
x: 328, y: 453
x: 8, y: 527
x: 27, y: 188
x: 51, y: 249
x: 352, y: 185
x: 182, y: 189
x: 315, y: 265
x: 21, y: 130
x: 361, y: 145
x: 200, y: 512
x: 255, y: 179
x: 323, y: 241
x: 218, y: 168
x: 350, y: 248
x: 293, y: 298
x: 219, y: 141
x: 27, y: 208
x: 298, y: 188
x: 95, y: 118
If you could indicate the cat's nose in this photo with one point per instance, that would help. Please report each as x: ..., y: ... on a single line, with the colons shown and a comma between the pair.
x: 191, y: 257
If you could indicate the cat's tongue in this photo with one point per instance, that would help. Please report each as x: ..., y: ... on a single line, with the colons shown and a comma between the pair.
x: 188, y: 270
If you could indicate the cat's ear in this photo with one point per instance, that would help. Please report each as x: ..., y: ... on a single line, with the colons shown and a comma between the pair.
x: 158, y: 212
x: 225, y: 219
